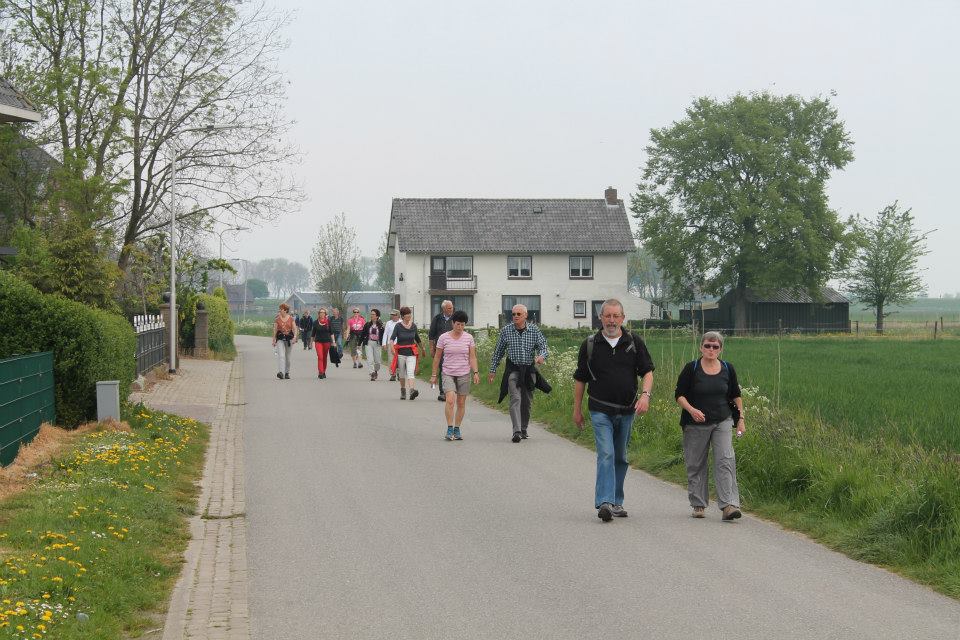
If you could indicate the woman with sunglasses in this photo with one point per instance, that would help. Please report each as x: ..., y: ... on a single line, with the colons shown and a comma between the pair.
x: 709, y: 394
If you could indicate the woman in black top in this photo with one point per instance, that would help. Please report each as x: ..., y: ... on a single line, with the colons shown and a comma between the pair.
x: 406, y: 349
x: 322, y: 337
x: 370, y: 339
x: 709, y: 394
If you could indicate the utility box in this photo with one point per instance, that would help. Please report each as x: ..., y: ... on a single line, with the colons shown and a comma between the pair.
x: 108, y: 400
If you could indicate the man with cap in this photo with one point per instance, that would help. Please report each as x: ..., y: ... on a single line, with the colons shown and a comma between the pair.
x: 387, y: 332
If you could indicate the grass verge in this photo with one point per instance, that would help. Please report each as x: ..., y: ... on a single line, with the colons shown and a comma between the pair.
x: 871, y: 496
x: 92, y: 549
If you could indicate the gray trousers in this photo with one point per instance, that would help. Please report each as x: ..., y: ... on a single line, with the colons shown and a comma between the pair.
x: 697, y: 440
x: 520, y: 398
x: 282, y: 351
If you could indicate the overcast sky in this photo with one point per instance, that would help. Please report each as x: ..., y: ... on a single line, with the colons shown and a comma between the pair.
x: 552, y: 99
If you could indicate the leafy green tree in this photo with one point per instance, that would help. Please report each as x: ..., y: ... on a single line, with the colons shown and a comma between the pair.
x: 62, y: 248
x: 733, y: 196
x: 257, y: 288
x: 885, y: 271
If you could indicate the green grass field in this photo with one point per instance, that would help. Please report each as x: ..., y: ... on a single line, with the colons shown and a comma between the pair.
x: 919, y: 311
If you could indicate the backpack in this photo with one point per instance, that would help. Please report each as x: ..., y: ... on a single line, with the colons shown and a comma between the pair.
x: 592, y: 337
x: 631, y: 347
x: 696, y: 363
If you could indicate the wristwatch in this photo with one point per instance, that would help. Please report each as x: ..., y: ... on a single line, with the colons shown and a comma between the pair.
x: 646, y: 393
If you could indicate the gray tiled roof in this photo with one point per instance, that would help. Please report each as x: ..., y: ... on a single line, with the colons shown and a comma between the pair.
x: 445, y: 225
x: 796, y: 297
x: 10, y: 97
x: 354, y: 297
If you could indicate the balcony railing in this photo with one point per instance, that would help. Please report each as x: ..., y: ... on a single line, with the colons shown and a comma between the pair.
x: 441, y: 283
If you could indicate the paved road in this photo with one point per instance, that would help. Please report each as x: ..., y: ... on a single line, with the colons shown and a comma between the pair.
x: 365, y: 523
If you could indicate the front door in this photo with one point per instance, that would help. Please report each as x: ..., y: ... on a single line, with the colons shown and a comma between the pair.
x: 596, y: 305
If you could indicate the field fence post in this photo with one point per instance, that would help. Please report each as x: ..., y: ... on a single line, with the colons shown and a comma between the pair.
x: 934, y: 329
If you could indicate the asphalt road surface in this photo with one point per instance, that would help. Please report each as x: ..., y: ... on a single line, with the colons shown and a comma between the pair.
x: 365, y: 523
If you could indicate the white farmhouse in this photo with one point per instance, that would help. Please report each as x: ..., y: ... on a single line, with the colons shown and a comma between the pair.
x: 560, y: 257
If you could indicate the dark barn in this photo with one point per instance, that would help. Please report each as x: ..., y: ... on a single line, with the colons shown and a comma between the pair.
x: 789, y: 311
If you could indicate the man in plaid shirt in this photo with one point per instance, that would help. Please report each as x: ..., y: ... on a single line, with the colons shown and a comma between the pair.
x: 525, y: 346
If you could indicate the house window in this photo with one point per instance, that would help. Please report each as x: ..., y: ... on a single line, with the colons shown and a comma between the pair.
x: 460, y: 303
x: 519, y: 266
x: 581, y: 266
x: 459, y: 267
x: 532, y: 303
x: 579, y: 308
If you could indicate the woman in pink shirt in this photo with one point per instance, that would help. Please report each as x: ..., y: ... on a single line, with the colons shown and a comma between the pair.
x: 355, y: 326
x: 459, y: 353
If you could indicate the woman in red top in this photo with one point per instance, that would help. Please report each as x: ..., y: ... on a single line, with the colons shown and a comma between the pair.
x: 284, y: 334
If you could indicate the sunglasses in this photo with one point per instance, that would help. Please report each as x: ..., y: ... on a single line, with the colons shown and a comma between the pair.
x: 518, y: 314
x: 710, y: 346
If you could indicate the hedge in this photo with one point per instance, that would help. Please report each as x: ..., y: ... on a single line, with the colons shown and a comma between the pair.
x: 89, y: 345
x: 220, y: 326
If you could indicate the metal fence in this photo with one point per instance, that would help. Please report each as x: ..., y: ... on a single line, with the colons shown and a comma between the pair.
x: 26, y: 400
x: 151, y: 342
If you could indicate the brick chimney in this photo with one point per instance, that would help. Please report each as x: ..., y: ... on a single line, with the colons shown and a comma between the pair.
x: 610, y: 195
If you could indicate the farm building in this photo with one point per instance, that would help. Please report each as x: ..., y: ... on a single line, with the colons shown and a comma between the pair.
x: 781, y: 309
x: 311, y: 301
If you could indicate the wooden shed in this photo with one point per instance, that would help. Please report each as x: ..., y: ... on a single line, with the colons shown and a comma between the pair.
x: 790, y: 311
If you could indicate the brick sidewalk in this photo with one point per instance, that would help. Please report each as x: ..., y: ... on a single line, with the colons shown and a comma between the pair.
x: 210, y: 598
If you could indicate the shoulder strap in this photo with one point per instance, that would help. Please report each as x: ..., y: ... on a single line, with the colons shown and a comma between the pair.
x: 590, y: 340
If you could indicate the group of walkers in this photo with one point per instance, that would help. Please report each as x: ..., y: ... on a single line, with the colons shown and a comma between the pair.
x: 614, y: 370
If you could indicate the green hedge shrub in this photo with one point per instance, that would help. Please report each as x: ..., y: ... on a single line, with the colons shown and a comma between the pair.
x: 221, y: 327
x: 88, y: 345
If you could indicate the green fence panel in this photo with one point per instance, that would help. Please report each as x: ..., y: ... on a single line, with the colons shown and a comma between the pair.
x: 26, y: 400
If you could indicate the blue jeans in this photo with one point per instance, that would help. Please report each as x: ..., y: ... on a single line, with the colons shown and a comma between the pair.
x: 612, y: 435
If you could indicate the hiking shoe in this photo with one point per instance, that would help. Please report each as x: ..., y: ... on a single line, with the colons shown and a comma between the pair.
x: 320, y: 376
x: 359, y: 365
x: 730, y: 512
x: 286, y: 376
x: 373, y: 376
x: 393, y: 378
x: 456, y: 434
x: 449, y: 435
x: 354, y: 365
x: 414, y: 394
x: 403, y: 394
x: 619, y: 511
x: 279, y: 375
x: 605, y: 512
x: 442, y: 397
x: 523, y: 434
x: 516, y: 437
x: 698, y: 512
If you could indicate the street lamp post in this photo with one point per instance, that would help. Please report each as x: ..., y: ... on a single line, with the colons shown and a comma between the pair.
x: 221, y: 246
x: 173, y: 235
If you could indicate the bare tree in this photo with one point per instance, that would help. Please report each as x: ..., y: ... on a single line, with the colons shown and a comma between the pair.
x: 335, y: 261
x: 121, y: 81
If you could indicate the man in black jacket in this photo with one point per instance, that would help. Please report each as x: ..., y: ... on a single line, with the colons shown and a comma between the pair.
x: 306, y: 329
x: 607, y: 368
x: 440, y: 325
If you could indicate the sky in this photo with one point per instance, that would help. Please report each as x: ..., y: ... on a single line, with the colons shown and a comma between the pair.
x: 555, y: 99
